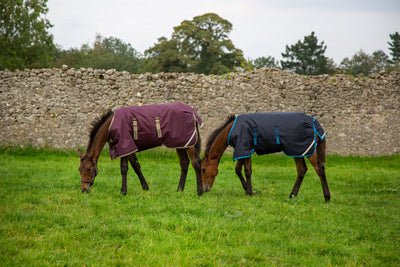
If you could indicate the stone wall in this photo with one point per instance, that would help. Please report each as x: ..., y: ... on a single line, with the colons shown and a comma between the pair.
x: 54, y: 107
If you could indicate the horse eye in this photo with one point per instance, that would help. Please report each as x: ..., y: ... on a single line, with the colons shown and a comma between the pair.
x: 203, y: 170
x: 89, y: 170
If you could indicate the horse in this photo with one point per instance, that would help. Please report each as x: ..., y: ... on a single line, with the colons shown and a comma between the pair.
x: 296, y: 134
x: 132, y: 129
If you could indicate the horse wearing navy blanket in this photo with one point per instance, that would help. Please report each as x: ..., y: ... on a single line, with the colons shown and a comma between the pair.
x: 296, y: 134
x: 132, y: 129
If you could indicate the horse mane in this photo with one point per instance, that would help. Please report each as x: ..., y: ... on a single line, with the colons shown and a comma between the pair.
x: 96, y: 125
x: 217, y: 131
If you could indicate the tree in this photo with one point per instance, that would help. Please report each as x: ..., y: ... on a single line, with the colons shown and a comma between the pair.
x: 265, y: 62
x: 24, y: 38
x: 363, y: 63
x: 200, y: 45
x: 379, y: 61
x: 306, y: 57
x: 394, y: 48
x: 106, y: 53
x: 165, y: 57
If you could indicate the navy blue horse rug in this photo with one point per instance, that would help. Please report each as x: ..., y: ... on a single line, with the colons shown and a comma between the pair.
x: 265, y: 133
x: 139, y: 128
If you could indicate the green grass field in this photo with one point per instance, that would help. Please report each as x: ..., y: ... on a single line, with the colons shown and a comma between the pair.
x: 46, y: 220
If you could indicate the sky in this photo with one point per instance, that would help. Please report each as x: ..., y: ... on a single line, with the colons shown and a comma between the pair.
x: 261, y: 28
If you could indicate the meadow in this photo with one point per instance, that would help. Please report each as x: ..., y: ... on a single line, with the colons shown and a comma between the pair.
x: 46, y: 220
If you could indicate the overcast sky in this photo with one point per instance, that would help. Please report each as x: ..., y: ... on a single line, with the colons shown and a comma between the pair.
x: 260, y: 27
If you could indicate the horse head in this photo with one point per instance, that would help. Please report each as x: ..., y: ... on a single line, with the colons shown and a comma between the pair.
x: 209, y: 170
x: 88, y: 170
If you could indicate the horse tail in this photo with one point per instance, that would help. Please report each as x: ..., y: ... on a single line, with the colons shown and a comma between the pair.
x: 321, y: 149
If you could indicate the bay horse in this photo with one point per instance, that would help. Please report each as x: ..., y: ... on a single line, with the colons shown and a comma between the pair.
x: 296, y: 134
x: 132, y: 129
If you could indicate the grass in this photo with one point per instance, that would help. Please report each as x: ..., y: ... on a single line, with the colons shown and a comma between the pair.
x: 46, y: 220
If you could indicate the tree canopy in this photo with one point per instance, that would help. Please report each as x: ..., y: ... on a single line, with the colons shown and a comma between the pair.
x: 394, y: 47
x: 24, y: 38
x: 265, y: 62
x: 106, y: 53
x: 363, y: 63
x: 200, y: 45
x: 306, y: 57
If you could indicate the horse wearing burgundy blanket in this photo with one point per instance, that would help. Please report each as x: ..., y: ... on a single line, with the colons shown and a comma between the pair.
x: 132, y: 129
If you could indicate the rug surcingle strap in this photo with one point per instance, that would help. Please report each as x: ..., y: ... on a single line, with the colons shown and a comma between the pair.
x: 135, y: 129
x: 159, y: 133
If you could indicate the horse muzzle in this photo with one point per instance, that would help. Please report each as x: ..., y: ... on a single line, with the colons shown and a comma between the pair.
x: 85, y: 189
x: 206, y: 187
x: 85, y: 186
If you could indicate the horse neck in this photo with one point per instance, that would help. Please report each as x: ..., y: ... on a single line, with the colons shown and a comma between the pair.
x: 221, y: 143
x: 99, y: 140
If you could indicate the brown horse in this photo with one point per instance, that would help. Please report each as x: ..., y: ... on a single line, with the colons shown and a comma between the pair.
x: 174, y: 125
x: 219, y: 141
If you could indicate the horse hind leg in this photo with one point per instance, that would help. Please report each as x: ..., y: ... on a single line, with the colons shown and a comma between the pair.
x: 124, y: 172
x: 136, y: 167
x: 320, y: 170
x: 247, y: 172
x: 301, y: 172
x: 184, y: 163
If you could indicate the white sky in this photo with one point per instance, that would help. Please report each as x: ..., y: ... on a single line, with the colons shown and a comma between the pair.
x: 260, y: 27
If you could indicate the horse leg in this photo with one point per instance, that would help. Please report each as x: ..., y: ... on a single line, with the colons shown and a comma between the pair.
x: 124, y: 171
x: 301, y: 172
x: 320, y: 170
x: 136, y: 167
x: 238, y: 170
x: 194, y: 154
x: 184, y: 163
x: 247, y: 173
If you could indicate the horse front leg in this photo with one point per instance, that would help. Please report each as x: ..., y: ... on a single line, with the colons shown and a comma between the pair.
x: 184, y: 163
x: 194, y: 154
x: 301, y: 172
x: 320, y: 170
x: 247, y: 173
x: 136, y: 167
x: 238, y: 170
x: 124, y: 171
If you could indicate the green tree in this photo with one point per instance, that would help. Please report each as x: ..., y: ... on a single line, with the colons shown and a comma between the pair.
x: 200, y: 45
x: 394, y: 47
x: 306, y: 57
x: 363, y: 63
x: 379, y: 61
x: 24, y: 38
x: 265, y: 62
x: 106, y: 53
x: 165, y: 57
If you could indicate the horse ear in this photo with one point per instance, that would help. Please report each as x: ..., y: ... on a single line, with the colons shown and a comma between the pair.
x: 80, y: 153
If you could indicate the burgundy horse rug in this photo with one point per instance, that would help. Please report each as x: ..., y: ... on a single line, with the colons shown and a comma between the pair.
x: 139, y: 128
x: 265, y: 133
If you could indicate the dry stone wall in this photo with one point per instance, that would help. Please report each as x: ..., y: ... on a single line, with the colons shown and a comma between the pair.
x: 54, y: 107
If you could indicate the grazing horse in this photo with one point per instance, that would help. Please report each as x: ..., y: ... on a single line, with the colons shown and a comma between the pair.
x: 132, y: 129
x: 296, y: 134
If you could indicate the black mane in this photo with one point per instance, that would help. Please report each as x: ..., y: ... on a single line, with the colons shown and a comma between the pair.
x: 217, y: 131
x: 96, y: 125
